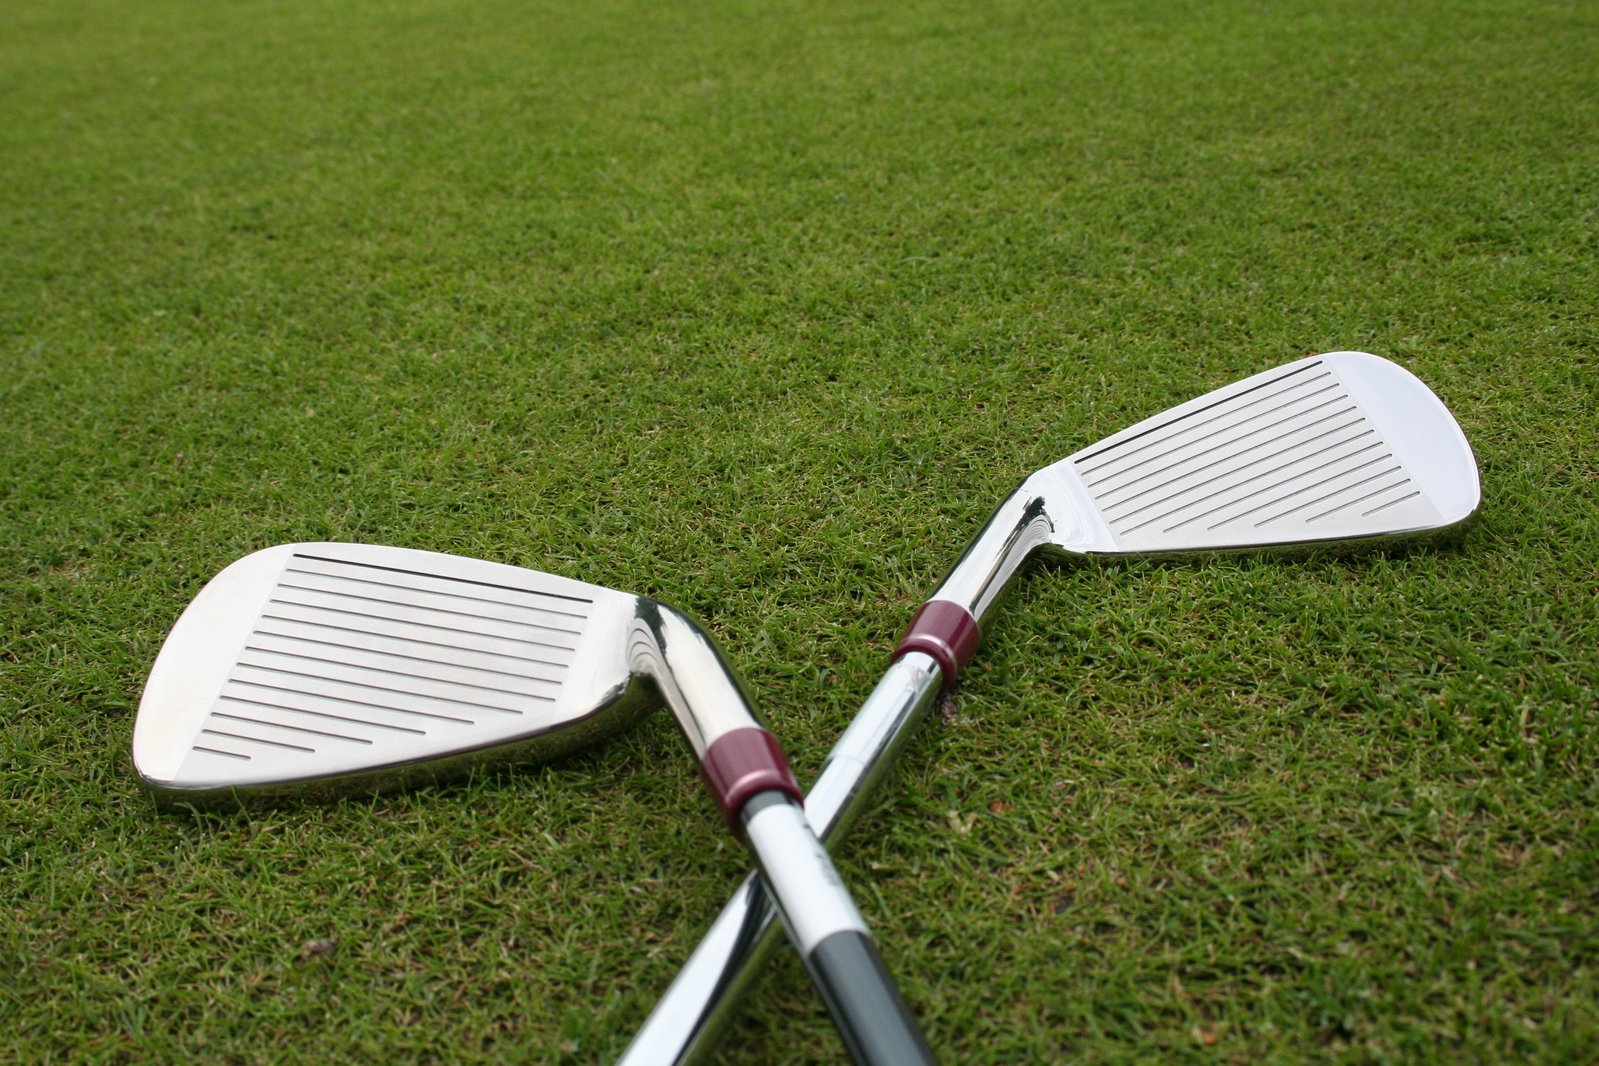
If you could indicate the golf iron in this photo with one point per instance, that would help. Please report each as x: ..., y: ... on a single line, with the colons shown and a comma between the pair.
x: 1333, y: 448
x: 338, y: 666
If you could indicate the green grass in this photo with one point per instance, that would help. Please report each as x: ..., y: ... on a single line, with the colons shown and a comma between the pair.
x: 758, y: 309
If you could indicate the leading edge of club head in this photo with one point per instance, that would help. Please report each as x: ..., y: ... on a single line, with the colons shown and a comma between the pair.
x: 328, y: 668
x: 1334, y: 448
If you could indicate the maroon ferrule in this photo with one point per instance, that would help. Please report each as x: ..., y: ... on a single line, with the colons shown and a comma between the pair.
x: 947, y: 632
x: 743, y: 763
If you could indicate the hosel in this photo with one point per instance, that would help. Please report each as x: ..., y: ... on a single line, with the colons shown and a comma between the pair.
x: 738, y: 757
x: 946, y: 627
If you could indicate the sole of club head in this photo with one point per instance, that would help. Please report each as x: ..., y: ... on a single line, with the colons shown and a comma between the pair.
x: 1335, y: 448
x: 330, y: 668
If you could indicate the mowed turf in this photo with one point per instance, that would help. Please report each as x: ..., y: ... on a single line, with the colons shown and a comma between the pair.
x: 758, y: 309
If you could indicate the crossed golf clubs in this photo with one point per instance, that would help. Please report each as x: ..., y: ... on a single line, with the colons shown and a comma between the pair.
x: 1335, y: 448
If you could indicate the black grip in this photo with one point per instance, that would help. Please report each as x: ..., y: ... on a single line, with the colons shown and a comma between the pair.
x: 866, y: 1006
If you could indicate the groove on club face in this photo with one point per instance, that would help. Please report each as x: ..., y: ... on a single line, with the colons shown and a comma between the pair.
x: 341, y: 662
x: 1336, y: 447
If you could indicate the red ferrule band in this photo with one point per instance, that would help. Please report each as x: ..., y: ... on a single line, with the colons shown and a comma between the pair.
x: 947, y: 632
x: 744, y: 763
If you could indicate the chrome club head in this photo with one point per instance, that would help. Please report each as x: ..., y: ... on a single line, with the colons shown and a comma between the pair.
x: 1336, y: 447
x: 343, y: 665
x: 1333, y: 448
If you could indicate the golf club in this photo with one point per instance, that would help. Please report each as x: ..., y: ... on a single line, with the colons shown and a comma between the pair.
x: 1333, y: 448
x: 338, y: 666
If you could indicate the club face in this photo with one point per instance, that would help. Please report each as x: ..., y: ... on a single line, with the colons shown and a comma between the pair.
x: 1338, y: 447
x: 330, y: 667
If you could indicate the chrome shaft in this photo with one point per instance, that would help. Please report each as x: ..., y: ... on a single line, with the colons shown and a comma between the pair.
x: 687, y: 1020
